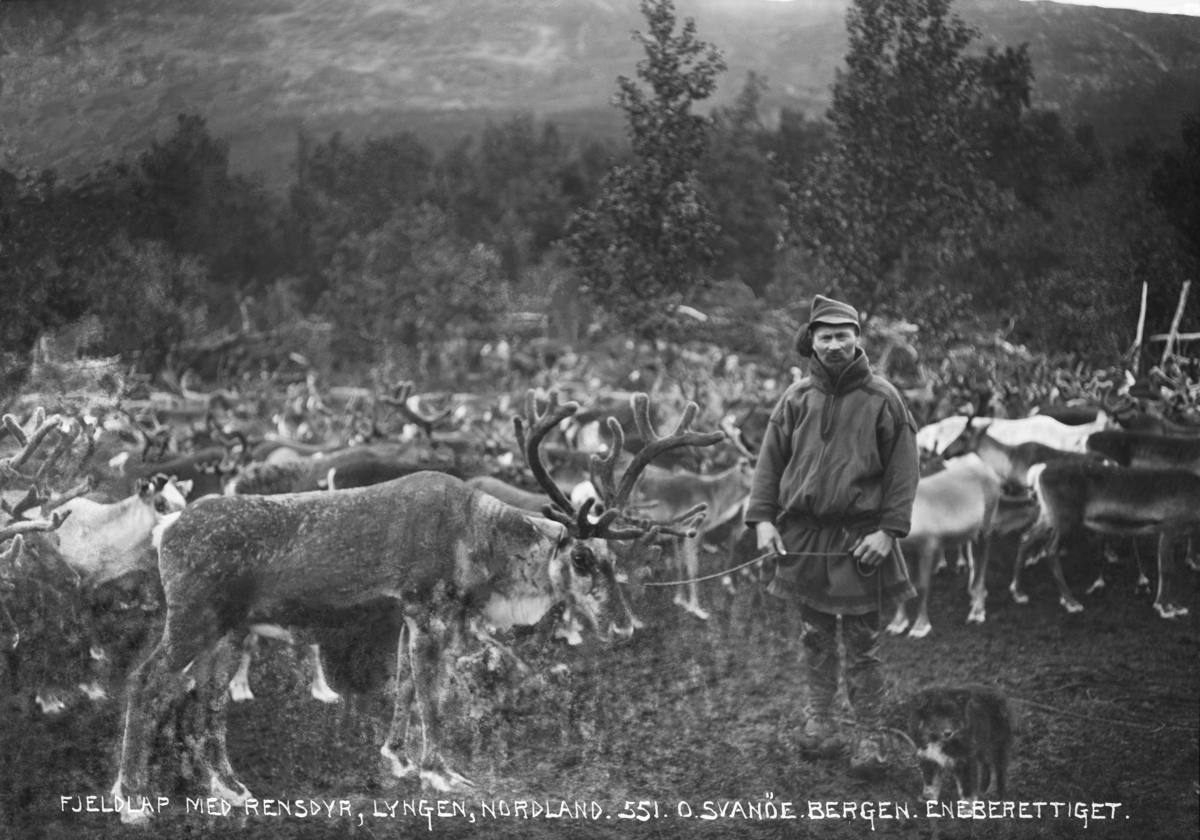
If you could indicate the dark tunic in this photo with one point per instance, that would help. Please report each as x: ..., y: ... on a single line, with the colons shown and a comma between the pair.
x: 839, y: 461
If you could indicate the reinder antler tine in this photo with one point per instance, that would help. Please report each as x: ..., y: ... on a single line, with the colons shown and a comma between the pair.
x: 603, y: 467
x: 655, y: 446
x: 30, y: 443
x: 61, y: 448
x: 56, y: 501
x: 34, y: 498
x: 26, y: 526
x: 13, y: 551
x: 539, y: 426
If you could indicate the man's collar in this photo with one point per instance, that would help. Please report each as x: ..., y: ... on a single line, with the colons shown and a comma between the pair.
x: 854, y: 375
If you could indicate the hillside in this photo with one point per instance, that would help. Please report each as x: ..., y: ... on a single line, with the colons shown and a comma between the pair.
x: 83, y: 83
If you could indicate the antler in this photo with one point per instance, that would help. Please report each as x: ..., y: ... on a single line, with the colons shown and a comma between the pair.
x: 10, y: 467
x: 733, y: 433
x: 617, y: 523
x: 655, y: 445
x: 229, y: 440
x: 399, y: 400
x: 561, y: 510
x: 25, y: 526
x: 1123, y: 403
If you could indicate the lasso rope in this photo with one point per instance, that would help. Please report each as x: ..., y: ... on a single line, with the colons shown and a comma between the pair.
x: 741, y: 566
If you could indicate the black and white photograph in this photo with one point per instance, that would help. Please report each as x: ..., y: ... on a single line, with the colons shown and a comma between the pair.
x: 599, y: 419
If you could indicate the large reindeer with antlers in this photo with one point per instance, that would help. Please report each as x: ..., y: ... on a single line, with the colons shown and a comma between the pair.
x: 432, y: 556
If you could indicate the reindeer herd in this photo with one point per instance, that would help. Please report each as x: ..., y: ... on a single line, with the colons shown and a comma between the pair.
x: 420, y: 559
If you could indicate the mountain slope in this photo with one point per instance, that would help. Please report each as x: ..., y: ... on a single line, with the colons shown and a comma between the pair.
x: 80, y: 83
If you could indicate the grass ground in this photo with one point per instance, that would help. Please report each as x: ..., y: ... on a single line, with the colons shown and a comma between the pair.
x: 699, y: 717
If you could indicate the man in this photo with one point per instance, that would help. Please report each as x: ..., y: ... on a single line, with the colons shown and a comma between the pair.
x: 833, y: 492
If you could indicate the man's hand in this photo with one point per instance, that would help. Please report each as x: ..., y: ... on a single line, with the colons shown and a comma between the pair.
x: 768, y: 537
x: 873, y: 548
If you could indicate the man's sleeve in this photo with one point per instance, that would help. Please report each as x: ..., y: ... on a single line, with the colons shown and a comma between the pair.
x: 773, y: 457
x: 901, y: 472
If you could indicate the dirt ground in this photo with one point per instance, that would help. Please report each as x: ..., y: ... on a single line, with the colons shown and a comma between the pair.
x: 688, y: 730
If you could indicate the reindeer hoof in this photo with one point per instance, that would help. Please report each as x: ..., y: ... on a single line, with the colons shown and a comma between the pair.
x: 445, y: 780
x: 1096, y: 587
x: 694, y: 609
x: 401, y: 768
x: 240, y: 692
x: 1071, y: 605
x: 1143, y: 585
x: 1019, y: 596
x: 218, y: 788
x: 920, y: 630
x: 136, y: 818
x: 325, y: 694
x: 1170, y: 610
x: 898, y: 626
x: 94, y: 691
x: 976, y: 616
x: 50, y: 704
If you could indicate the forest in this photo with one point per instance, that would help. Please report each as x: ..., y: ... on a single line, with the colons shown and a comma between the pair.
x: 931, y: 194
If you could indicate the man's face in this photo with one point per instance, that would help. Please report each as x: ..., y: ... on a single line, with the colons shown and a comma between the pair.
x: 835, y: 345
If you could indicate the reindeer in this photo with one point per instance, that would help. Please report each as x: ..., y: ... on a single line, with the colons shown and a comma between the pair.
x: 673, y: 492
x: 935, y: 437
x: 1013, y: 464
x: 424, y: 554
x: 1126, y: 501
x: 952, y: 507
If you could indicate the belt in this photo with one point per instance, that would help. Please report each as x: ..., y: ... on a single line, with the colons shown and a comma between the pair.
x: 817, y: 523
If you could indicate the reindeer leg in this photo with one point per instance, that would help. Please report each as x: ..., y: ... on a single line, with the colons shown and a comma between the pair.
x: 239, y: 686
x: 212, y: 757
x: 1108, y: 556
x: 921, y: 626
x: 1193, y: 560
x: 432, y: 670
x: 899, y: 620
x: 1143, y: 582
x: 154, y: 688
x: 1165, y: 603
x: 320, y: 689
x: 395, y: 748
x: 1024, y: 548
x: 977, y: 583
x: 1065, y: 597
x: 688, y: 563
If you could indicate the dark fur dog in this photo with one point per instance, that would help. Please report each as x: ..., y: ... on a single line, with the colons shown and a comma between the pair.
x: 963, y: 733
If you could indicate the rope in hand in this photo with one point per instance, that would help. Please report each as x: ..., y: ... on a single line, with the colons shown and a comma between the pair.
x: 741, y: 566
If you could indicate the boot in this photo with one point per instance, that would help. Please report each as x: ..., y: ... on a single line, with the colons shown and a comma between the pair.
x: 868, y: 760
x: 820, y: 737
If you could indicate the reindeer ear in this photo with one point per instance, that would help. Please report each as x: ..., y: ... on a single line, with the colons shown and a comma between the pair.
x: 552, y: 530
x: 144, y: 487
x: 184, y: 488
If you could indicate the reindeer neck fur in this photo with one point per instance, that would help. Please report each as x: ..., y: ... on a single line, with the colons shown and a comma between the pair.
x: 999, y: 457
x: 99, y: 552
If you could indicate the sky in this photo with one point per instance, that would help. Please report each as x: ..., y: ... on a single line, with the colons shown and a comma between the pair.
x: 1173, y: 7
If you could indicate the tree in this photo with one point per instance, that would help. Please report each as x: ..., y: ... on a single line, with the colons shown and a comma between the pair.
x: 647, y: 242
x: 904, y: 187
x: 1175, y: 185
x: 743, y: 191
x: 188, y: 198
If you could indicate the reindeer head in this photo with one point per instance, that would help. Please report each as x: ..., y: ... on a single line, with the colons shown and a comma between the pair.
x: 588, y: 539
x: 163, y: 494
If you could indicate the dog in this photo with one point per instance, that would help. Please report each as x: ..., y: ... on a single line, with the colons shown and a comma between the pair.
x: 964, y: 733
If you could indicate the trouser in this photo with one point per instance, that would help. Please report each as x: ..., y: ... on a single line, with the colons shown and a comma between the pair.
x: 864, y: 666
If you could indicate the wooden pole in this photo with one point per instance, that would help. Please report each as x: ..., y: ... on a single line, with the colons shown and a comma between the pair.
x: 1183, y: 294
x: 1137, y: 342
